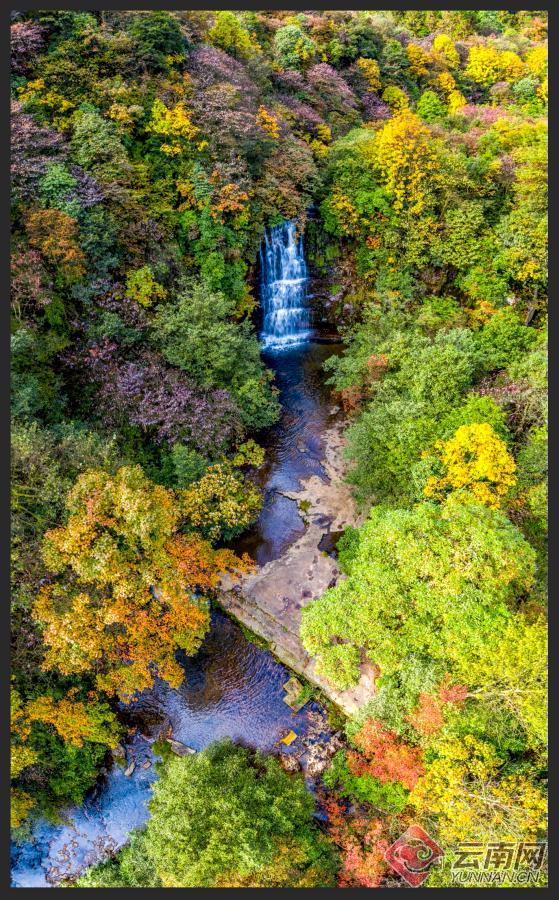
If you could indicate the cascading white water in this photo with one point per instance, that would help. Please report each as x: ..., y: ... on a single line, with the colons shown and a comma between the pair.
x: 284, y: 288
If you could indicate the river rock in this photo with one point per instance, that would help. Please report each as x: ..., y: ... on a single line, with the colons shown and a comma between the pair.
x: 289, y: 763
x: 317, y: 760
x: 179, y: 749
x: 302, y: 573
x: 128, y: 771
x: 118, y: 752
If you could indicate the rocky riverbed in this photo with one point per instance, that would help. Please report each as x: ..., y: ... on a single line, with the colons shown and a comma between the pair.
x: 270, y: 600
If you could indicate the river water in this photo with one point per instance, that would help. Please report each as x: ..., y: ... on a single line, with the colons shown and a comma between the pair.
x: 231, y: 687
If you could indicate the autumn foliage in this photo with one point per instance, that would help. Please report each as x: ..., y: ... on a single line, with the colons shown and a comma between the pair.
x: 475, y: 460
x: 131, y: 588
x: 384, y: 756
x: 150, y: 152
x: 362, y: 841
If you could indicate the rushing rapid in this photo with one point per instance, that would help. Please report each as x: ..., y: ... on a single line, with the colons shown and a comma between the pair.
x: 283, y: 288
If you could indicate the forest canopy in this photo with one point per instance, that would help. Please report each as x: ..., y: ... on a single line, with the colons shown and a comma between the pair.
x: 151, y: 150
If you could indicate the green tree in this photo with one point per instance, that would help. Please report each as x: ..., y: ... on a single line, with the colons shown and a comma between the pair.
x: 504, y: 340
x: 56, y: 189
x: 292, y: 47
x: 431, y: 108
x: 426, y: 381
x: 434, y: 581
x: 228, y: 817
x: 198, y: 333
x: 158, y: 37
x: 97, y: 146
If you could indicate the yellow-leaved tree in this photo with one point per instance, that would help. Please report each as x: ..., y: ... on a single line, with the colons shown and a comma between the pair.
x: 404, y: 155
x: 445, y: 49
x: 463, y: 789
x: 370, y: 70
x: 473, y: 460
x: 175, y: 125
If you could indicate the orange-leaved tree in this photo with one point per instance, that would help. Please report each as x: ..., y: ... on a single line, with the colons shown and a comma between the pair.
x: 131, y: 589
x: 386, y: 757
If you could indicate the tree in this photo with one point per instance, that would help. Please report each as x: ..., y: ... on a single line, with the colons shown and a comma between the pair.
x: 142, y: 287
x: 227, y: 816
x: 419, y: 60
x: 292, y: 47
x: 222, y: 503
x: 164, y: 402
x: 199, y: 334
x: 349, y: 777
x: 512, y: 675
x: 228, y: 34
x: 486, y: 65
x: 175, y: 125
x: 371, y: 71
x: 27, y: 40
x: 523, y: 232
x: 268, y: 123
x: 97, y: 147
x: 430, y: 107
x: 503, y: 339
x: 474, y: 460
x: 434, y: 581
x: 363, y: 843
x: 158, y: 36
x: 133, y: 587
x: 462, y: 789
x: 32, y: 148
x: 76, y: 721
x: 444, y: 46
x: 536, y: 61
x: 404, y: 156
x: 57, y: 189
x: 55, y: 234
x: 131, y: 867
x: 383, y: 756
x: 21, y: 804
x: 424, y: 383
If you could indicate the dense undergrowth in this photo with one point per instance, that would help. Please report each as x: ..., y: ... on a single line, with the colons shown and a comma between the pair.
x: 149, y: 152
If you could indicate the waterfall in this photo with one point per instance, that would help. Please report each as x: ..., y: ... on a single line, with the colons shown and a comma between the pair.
x: 284, y: 288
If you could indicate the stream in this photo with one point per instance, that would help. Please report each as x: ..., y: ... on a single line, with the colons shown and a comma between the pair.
x: 231, y: 687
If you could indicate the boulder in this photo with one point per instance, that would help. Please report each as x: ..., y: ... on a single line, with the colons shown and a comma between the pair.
x: 317, y: 761
x: 289, y: 763
x: 179, y: 748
